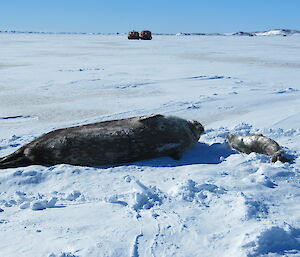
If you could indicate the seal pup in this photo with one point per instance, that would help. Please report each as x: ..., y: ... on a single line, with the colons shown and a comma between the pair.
x: 109, y: 142
x: 257, y: 143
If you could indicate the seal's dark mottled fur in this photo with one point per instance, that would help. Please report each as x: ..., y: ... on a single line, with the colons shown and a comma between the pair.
x: 259, y: 144
x: 109, y: 142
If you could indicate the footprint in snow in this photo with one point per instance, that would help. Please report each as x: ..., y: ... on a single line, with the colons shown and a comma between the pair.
x: 203, y: 77
x: 30, y: 177
x: 254, y: 209
x: 260, y: 179
x: 18, y: 118
x: 286, y: 90
x: 64, y: 254
x: 143, y: 197
x: 80, y: 70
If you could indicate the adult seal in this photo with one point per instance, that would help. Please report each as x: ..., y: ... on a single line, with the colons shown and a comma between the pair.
x: 257, y: 143
x: 109, y: 142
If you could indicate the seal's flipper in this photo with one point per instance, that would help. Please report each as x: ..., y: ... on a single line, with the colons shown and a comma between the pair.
x: 14, y: 160
x: 19, y: 162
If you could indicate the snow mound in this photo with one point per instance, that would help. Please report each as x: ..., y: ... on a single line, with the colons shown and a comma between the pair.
x: 277, y: 240
x: 24, y: 201
x: 192, y: 191
x: 41, y: 205
x: 142, y: 197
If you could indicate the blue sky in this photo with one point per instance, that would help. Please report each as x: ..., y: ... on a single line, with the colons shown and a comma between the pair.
x: 161, y: 16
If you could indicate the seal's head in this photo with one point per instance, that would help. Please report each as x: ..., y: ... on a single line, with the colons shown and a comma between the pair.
x: 196, y: 127
x: 279, y: 156
x: 230, y: 137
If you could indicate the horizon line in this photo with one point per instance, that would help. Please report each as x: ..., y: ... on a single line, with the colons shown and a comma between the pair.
x: 155, y: 33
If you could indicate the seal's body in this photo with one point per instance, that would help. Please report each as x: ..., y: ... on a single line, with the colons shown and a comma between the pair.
x: 109, y: 142
x: 259, y: 144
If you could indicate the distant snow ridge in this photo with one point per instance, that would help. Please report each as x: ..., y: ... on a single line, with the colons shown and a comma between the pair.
x: 277, y: 32
x: 241, y: 33
x: 273, y: 32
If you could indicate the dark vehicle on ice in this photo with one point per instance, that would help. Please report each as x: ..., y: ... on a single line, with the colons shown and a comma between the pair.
x: 146, y: 35
x: 133, y: 35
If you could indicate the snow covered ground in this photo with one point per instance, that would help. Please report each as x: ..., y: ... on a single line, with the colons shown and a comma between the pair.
x: 212, y: 202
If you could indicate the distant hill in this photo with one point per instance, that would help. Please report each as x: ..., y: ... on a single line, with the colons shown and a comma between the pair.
x: 273, y: 32
x: 277, y: 32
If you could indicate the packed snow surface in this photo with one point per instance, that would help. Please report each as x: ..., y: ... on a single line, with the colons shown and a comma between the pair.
x: 212, y: 202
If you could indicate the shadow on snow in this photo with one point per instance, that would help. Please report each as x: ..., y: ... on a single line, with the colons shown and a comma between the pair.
x: 200, y: 154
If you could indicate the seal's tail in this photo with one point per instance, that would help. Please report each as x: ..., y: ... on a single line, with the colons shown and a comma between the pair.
x: 14, y: 160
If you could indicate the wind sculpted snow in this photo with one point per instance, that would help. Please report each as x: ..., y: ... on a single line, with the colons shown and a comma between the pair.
x: 212, y: 202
